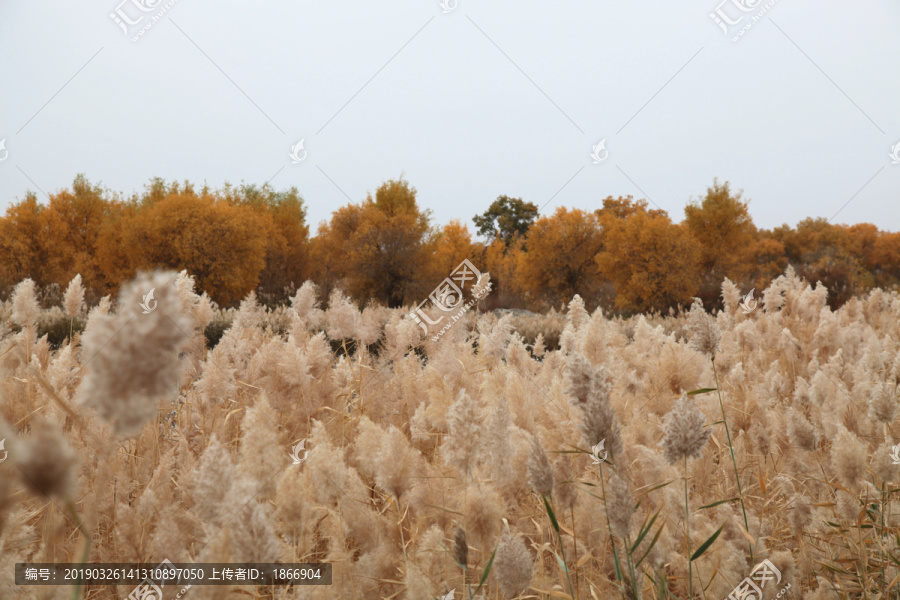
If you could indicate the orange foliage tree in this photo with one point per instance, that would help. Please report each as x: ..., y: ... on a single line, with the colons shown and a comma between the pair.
x: 82, y: 216
x: 558, y: 261
x: 822, y: 252
x: 378, y: 249
x: 652, y: 262
x: 722, y: 224
x: 222, y: 245
x: 502, y: 261
x: 113, y: 257
x: 27, y: 247
x: 767, y: 261
x: 287, y: 263
x: 885, y: 259
x: 453, y: 244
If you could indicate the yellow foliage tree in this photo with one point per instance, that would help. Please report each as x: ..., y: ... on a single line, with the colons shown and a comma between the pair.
x: 768, y: 260
x: 378, y: 249
x: 502, y: 262
x: 722, y: 224
x: 559, y: 258
x: 652, y: 262
x: 287, y: 237
x: 27, y: 244
x: 222, y: 245
x: 885, y: 259
x: 113, y: 257
x: 82, y: 215
x: 452, y: 245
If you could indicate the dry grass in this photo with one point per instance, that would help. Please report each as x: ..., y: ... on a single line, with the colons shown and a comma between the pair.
x: 134, y: 443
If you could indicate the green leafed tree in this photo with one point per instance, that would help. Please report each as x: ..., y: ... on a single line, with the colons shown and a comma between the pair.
x: 507, y: 219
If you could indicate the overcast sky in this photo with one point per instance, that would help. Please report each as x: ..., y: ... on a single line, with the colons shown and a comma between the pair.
x: 492, y: 97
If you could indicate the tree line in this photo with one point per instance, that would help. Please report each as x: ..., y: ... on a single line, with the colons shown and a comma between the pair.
x: 623, y: 255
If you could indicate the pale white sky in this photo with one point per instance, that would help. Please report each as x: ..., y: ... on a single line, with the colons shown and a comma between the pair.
x: 500, y: 97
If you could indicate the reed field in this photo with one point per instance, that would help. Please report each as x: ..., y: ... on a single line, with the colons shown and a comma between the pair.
x: 565, y: 454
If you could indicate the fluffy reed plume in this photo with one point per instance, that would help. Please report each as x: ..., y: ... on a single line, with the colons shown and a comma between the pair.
x: 305, y: 313
x: 577, y: 315
x: 329, y: 475
x: 759, y: 433
x: 731, y: 296
x: 482, y: 510
x: 371, y: 323
x: 539, y: 349
x: 684, y: 438
x: 199, y: 308
x: 388, y: 458
x: 685, y: 435
x: 73, y: 301
x: 494, y: 338
x: 513, y: 566
x: 704, y: 333
x: 134, y: 356
x: 252, y: 528
x: 342, y: 319
x: 540, y: 475
x: 564, y: 489
x: 103, y: 307
x: 460, y: 547
x: 47, y: 464
x: 248, y: 315
x: 801, y: 432
x: 25, y: 305
x: 464, y: 444
x: 499, y: 450
x: 800, y: 514
x: 260, y: 450
x: 588, y: 387
x: 847, y: 506
x: 848, y: 456
x: 620, y: 504
x: 883, y: 403
x: 210, y: 481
